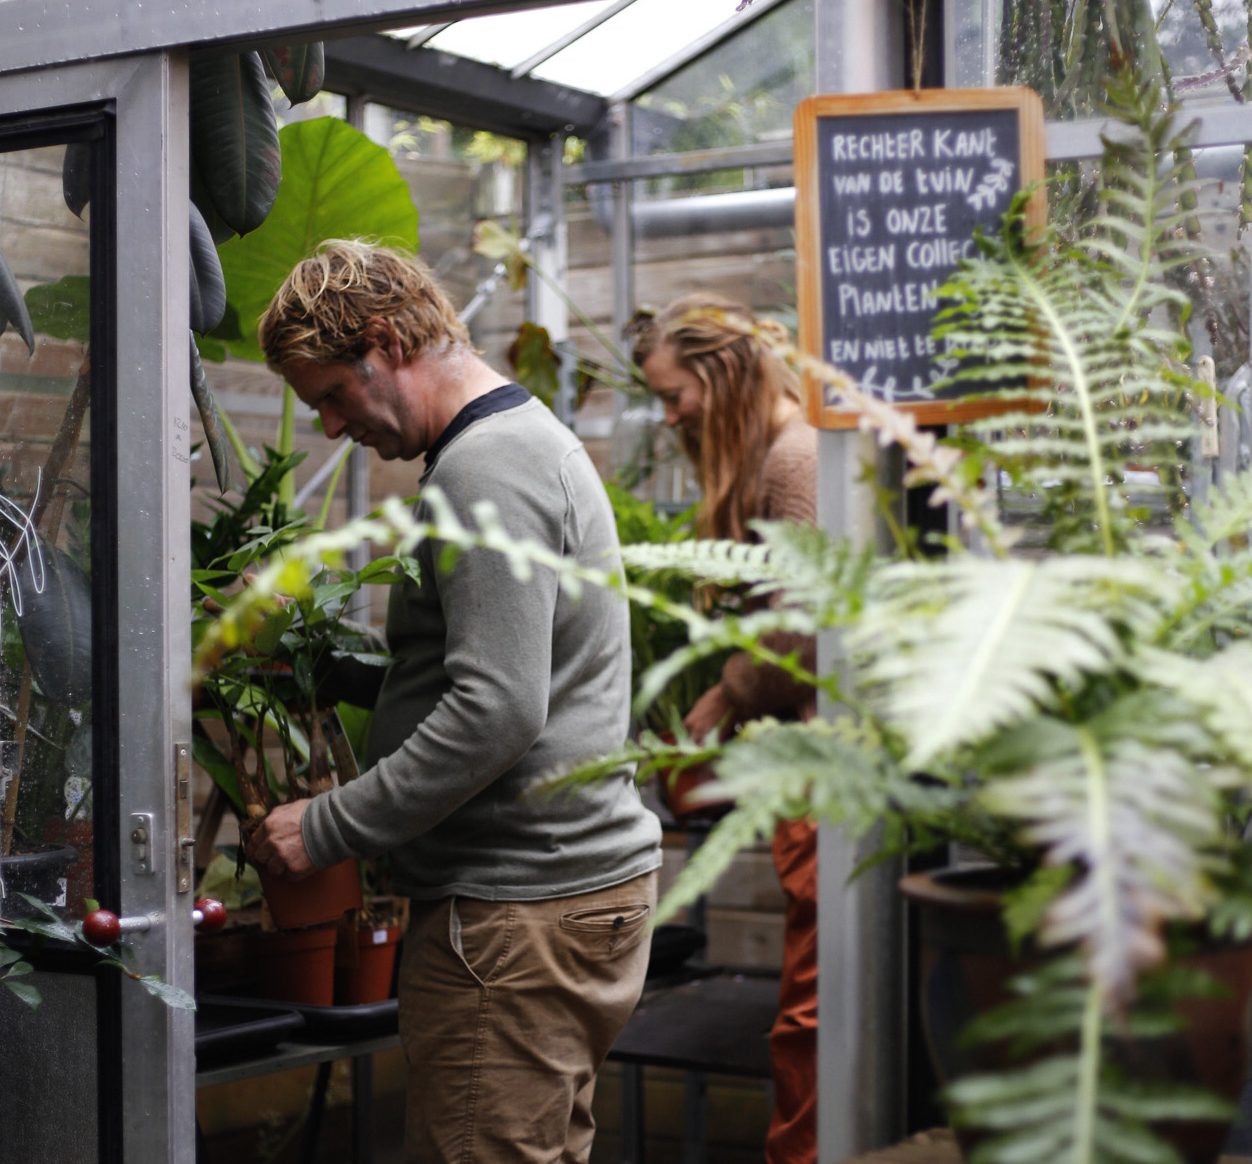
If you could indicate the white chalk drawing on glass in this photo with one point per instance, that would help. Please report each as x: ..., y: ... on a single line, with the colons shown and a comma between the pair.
x: 51, y: 595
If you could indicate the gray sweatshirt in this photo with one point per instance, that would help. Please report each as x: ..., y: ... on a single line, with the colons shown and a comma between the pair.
x: 497, y: 682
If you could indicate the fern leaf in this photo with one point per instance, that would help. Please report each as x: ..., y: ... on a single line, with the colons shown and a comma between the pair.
x: 1226, y: 514
x: 950, y: 653
x: 744, y: 826
x: 777, y: 771
x: 1126, y: 801
x: 1219, y: 688
x: 724, y: 562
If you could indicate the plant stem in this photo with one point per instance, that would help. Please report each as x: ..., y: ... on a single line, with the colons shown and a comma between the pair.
x: 1082, y: 390
x: 286, y: 438
x: 1087, y: 1099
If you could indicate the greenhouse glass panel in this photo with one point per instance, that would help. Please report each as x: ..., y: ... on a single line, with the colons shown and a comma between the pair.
x: 459, y: 177
x: 47, y: 751
x: 742, y: 91
x: 324, y: 104
x: 728, y: 232
x: 46, y: 519
x: 624, y: 48
x: 1064, y: 49
x: 510, y: 38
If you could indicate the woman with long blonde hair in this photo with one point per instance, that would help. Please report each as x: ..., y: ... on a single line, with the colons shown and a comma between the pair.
x: 735, y: 405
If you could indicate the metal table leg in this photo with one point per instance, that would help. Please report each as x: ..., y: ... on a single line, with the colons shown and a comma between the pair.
x: 362, y: 1109
x: 632, y: 1113
x: 317, y: 1108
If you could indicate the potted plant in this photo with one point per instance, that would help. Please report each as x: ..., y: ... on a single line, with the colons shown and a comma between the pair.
x: 656, y: 633
x: 1069, y: 701
x: 275, y: 700
x: 1072, y: 704
x: 365, y: 969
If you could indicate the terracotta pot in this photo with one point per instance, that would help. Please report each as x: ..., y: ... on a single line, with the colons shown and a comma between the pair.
x: 295, y: 965
x: 323, y: 897
x: 370, y: 979
x: 679, y: 790
x: 965, y: 968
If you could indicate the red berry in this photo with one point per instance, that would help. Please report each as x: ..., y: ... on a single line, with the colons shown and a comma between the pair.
x: 212, y: 915
x: 101, y: 927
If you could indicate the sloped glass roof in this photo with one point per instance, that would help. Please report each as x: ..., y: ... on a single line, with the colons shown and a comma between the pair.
x: 611, y: 48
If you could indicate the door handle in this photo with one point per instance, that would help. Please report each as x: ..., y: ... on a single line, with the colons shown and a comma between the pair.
x: 102, y: 927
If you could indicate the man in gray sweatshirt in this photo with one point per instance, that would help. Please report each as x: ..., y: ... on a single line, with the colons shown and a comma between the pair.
x: 530, y: 910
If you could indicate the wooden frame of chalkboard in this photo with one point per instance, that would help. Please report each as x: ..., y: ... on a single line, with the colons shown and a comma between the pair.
x: 889, y: 190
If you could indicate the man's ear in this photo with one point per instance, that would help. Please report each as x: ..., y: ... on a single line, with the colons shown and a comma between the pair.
x: 381, y: 334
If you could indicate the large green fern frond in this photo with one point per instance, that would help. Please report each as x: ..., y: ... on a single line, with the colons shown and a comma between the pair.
x: 1130, y: 800
x: 735, y: 633
x: 951, y: 652
x: 1090, y: 329
x: 1224, y: 516
x: 724, y: 563
x: 1147, y: 192
x: 777, y: 771
x: 1073, y: 1104
x: 1216, y: 690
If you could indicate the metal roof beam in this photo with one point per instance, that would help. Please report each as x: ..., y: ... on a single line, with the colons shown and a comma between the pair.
x: 457, y: 89
x: 428, y: 33
x: 697, y: 48
x: 40, y: 33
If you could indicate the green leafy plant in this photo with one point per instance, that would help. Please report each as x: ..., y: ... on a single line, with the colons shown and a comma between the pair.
x: 1074, y: 704
x: 336, y: 183
x: 287, y: 680
x: 279, y: 690
x: 1078, y: 710
x: 46, y: 923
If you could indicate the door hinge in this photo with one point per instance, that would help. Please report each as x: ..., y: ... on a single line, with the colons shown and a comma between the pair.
x: 186, y: 842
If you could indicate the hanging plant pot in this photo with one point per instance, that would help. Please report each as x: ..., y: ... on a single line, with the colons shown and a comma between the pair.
x: 965, y: 968
x: 369, y: 980
x: 40, y: 874
x: 325, y: 896
x: 295, y: 965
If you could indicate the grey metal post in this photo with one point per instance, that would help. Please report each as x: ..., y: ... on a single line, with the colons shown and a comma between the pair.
x: 861, y: 1067
x: 545, y: 203
x: 623, y: 241
x: 357, y: 474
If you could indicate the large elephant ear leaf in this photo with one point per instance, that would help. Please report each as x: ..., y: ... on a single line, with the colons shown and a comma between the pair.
x: 62, y: 309
x: 204, y: 203
x: 210, y: 420
x: 300, y: 69
x: 13, y: 308
x: 55, y: 624
x: 234, y: 137
x: 76, y: 176
x: 336, y: 184
x: 208, y: 285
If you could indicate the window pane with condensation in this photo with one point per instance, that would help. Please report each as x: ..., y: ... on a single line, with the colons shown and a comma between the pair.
x: 1066, y: 49
x: 47, y: 1056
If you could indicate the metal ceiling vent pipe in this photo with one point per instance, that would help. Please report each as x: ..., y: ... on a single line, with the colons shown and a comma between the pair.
x: 700, y: 213
x: 707, y: 213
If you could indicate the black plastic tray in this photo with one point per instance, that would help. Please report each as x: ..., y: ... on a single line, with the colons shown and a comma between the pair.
x: 346, y: 1024
x: 237, y: 1028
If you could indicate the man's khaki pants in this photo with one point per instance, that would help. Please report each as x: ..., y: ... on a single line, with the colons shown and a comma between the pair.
x: 507, y: 1010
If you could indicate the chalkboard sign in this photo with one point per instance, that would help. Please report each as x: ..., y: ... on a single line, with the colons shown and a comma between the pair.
x: 889, y: 190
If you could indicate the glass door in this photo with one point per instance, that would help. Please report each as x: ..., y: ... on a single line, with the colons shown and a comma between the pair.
x: 94, y: 715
